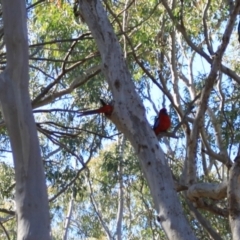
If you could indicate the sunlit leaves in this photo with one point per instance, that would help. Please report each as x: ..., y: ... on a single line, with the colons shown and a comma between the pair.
x: 62, y: 50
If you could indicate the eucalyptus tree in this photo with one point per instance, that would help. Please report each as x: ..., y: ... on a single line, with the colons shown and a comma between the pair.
x: 181, y: 55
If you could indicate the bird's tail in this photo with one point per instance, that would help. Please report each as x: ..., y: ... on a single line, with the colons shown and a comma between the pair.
x: 90, y: 112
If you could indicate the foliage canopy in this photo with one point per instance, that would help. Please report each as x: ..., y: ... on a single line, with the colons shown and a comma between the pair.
x: 90, y: 167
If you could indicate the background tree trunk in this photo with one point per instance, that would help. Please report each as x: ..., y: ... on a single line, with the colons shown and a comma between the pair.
x: 31, y: 195
x: 234, y: 198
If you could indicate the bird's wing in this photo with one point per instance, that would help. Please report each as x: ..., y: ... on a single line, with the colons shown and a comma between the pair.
x: 156, y: 123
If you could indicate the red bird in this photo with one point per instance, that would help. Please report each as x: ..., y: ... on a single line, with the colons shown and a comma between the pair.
x: 163, y: 122
x: 107, y: 109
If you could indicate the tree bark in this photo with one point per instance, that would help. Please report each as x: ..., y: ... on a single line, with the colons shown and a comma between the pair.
x: 234, y: 199
x: 68, y: 219
x: 129, y: 117
x: 121, y: 189
x: 31, y: 195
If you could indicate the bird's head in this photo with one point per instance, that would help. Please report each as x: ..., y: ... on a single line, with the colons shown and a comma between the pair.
x: 163, y: 110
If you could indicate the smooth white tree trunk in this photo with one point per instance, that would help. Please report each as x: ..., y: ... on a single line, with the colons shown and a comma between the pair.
x: 129, y: 117
x: 68, y: 219
x: 121, y: 190
x: 31, y: 195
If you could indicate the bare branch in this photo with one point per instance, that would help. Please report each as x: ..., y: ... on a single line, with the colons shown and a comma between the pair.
x: 209, y: 45
x: 97, y: 211
x: 91, y: 72
x: 203, y: 221
x: 215, y: 191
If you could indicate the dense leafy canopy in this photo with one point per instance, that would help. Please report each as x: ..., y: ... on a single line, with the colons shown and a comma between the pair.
x: 90, y: 167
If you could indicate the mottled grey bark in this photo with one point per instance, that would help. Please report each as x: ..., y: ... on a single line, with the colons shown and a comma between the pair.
x: 31, y: 195
x: 129, y: 117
